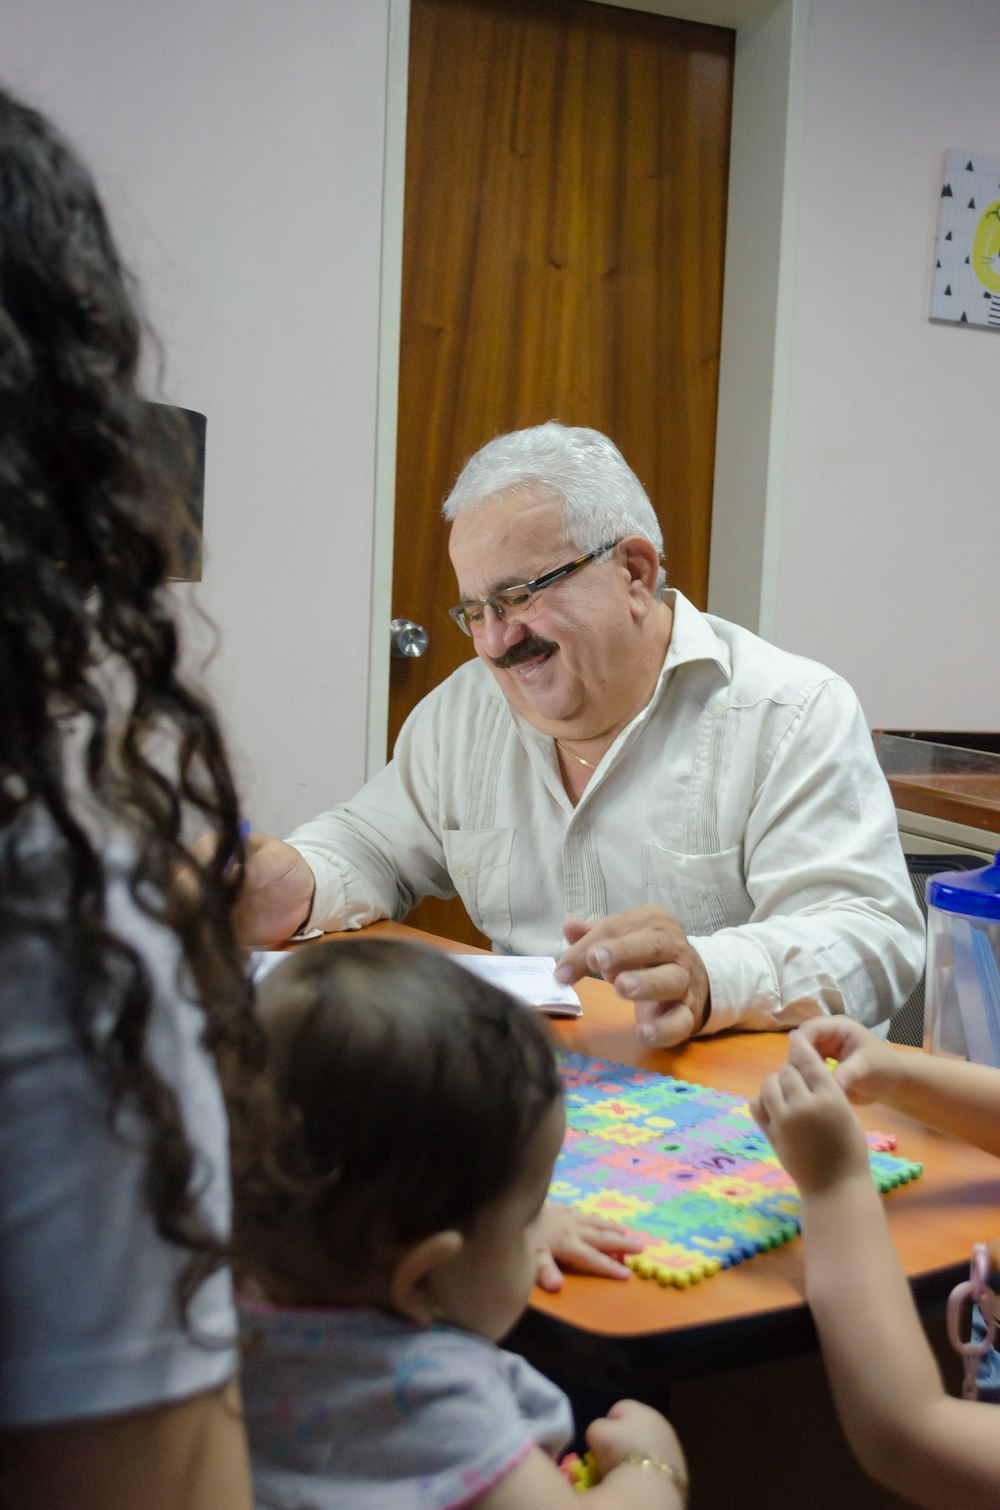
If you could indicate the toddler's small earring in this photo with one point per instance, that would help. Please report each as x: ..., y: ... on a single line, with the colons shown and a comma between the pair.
x: 437, y: 1314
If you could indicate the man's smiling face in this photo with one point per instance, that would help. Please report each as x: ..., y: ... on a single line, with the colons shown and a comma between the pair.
x: 563, y: 663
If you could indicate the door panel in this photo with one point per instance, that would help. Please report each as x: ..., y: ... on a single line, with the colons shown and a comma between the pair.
x: 564, y: 226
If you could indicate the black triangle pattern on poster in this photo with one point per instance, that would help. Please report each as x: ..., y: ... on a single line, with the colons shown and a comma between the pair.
x: 955, y: 289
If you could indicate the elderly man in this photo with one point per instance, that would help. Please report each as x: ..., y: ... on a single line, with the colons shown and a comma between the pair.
x: 652, y: 793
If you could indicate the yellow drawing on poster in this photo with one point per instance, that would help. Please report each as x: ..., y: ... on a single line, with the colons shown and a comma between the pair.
x: 986, y: 248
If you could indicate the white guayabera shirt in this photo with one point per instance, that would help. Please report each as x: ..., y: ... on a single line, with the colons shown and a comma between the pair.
x: 746, y: 799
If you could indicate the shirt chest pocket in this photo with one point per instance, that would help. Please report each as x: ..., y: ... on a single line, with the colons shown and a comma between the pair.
x: 704, y: 892
x: 478, y: 862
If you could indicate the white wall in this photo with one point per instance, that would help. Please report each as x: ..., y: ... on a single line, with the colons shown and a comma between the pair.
x: 239, y: 146
x: 887, y: 517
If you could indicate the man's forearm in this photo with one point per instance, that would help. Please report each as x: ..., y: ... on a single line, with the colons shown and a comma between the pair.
x: 368, y: 864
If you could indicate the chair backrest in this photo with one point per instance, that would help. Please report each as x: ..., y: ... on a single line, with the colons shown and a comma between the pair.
x: 907, y: 1025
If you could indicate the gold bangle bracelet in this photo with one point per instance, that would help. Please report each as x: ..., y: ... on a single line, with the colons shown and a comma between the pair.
x: 677, y: 1476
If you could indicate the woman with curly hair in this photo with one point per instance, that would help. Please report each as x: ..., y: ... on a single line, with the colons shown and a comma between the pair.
x: 122, y: 991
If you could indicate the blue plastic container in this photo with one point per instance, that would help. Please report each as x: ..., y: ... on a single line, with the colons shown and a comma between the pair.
x: 962, y: 1004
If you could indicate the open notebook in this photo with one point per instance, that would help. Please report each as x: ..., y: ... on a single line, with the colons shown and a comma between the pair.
x: 531, y: 978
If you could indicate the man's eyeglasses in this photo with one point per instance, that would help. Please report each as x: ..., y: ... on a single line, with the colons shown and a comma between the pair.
x: 512, y: 602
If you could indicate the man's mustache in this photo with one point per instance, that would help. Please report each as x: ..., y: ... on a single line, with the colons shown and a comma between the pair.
x: 524, y: 650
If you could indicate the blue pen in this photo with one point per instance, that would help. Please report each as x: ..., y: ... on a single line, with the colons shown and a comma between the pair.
x: 244, y: 830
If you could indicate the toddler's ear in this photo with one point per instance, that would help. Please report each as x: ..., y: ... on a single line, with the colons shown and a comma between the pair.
x: 411, y: 1286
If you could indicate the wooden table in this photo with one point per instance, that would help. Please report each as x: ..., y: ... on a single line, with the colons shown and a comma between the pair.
x: 970, y: 796
x: 755, y: 1309
x: 954, y: 797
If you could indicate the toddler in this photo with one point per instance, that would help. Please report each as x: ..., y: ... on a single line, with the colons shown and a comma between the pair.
x: 921, y: 1443
x: 387, y: 1228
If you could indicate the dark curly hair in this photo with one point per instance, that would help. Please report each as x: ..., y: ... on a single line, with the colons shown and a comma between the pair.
x: 404, y: 1092
x: 89, y: 483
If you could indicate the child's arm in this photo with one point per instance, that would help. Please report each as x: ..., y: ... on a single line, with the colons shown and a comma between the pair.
x: 629, y: 1429
x: 907, y: 1433
x: 949, y: 1094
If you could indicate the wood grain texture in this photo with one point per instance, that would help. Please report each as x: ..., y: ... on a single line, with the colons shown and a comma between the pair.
x: 564, y: 225
x: 973, y: 800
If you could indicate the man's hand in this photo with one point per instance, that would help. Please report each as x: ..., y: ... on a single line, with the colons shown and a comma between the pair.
x: 645, y: 955
x: 277, y: 892
x: 584, y: 1243
x: 809, y: 1121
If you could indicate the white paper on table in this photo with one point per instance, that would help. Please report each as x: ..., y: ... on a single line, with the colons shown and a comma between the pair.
x: 531, y: 978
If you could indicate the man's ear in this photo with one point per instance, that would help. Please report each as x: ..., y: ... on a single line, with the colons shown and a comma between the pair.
x: 411, y: 1284
x: 642, y: 561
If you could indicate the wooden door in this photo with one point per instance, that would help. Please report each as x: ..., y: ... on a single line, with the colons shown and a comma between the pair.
x: 564, y: 223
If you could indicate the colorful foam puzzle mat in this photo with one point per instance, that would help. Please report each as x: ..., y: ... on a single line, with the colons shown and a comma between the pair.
x: 684, y: 1166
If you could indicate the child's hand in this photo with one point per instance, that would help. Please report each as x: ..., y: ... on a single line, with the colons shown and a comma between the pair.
x: 809, y: 1122
x: 868, y: 1066
x: 584, y: 1243
x: 631, y: 1427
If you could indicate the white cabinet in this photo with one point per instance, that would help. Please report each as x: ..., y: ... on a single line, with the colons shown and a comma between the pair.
x: 923, y: 835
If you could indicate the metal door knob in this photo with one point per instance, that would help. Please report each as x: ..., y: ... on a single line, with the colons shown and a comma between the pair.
x: 408, y: 640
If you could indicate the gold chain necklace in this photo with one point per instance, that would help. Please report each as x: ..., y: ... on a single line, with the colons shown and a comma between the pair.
x: 589, y: 764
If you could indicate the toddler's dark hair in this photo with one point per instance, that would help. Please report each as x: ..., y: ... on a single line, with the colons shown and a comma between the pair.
x: 405, y: 1094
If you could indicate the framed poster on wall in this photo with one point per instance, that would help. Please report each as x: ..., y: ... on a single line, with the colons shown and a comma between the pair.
x: 966, y: 284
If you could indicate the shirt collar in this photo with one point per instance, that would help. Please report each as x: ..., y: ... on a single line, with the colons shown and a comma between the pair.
x: 692, y: 638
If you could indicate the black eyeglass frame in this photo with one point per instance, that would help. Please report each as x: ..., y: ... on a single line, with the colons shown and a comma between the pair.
x: 505, y: 599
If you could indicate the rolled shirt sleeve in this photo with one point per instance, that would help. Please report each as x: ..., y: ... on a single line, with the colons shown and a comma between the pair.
x: 380, y: 854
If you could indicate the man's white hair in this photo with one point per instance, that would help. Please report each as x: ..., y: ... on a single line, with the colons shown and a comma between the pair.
x: 601, y: 498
